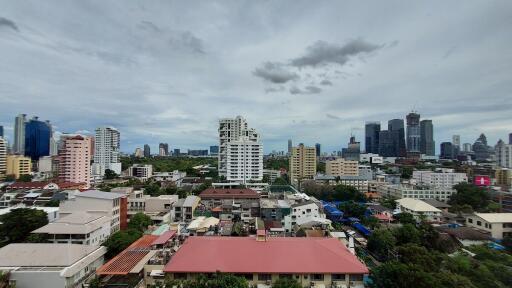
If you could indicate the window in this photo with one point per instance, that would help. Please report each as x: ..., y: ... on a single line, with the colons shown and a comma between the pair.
x: 470, y: 220
x: 180, y: 275
x: 317, y: 277
x: 356, y: 277
x: 286, y: 276
x: 264, y: 277
x: 338, y: 277
x: 479, y: 223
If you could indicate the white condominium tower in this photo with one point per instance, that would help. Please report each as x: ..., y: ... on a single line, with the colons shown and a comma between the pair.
x: 240, y: 151
x: 3, y: 158
x: 106, y: 151
x: 19, y: 134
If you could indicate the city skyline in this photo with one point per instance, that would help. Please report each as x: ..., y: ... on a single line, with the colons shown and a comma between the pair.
x: 307, y: 72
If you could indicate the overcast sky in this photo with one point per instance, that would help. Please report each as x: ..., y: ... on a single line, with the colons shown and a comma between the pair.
x: 312, y: 71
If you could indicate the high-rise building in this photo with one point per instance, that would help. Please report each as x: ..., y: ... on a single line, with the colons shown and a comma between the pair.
x: 290, y: 145
x: 3, y: 158
x: 447, y: 151
x: 317, y: 147
x: 233, y: 129
x: 371, y: 143
x: 387, y: 143
x: 18, y: 165
x: 302, y: 163
x: 456, y: 141
x: 244, y: 160
x: 147, y: 151
x: 341, y: 167
x: 163, y: 149
x: 427, y: 144
x: 138, y: 153
x: 176, y: 152
x: 413, y: 134
x: 503, y: 177
x: 353, y: 150
x: 214, y: 150
x: 481, y: 149
x: 510, y: 138
x: 398, y: 134
x: 19, y: 134
x: 37, y: 138
x: 1, y: 131
x: 503, y: 154
x: 106, y: 151
x: 466, y: 147
x: 75, y: 161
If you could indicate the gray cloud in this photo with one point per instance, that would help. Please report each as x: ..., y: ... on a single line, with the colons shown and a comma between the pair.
x: 307, y: 90
x: 4, y: 22
x: 187, y: 41
x: 274, y: 89
x: 275, y: 72
x: 326, y: 82
x: 334, y: 117
x: 322, y: 53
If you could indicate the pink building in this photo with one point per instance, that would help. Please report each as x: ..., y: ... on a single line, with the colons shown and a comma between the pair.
x: 75, y: 160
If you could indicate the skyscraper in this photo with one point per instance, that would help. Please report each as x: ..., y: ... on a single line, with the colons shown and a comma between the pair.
x: 427, y: 144
x: 447, y: 151
x: 74, y: 164
x: 244, y: 160
x: 37, y: 138
x: 147, y: 151
x: 413, y: 134
x: 466, y: 147
x: 106, y: 151
x: 503, y: 154
x: 1, y: 131
x: 290, y: 145
x: 233, y: 129
x: 481, y: 149
x: 387, y: 146
x: 456, y: 141
x: 510, y: 138
x: 3, y: 158
x: 317, y: 147
x: 165, y: 148
x: 398, y: 134
x: 353, y: 151
x: 19, y: 134
x: 371, y: 143
x: 302, y: 163
x: 214, y: 150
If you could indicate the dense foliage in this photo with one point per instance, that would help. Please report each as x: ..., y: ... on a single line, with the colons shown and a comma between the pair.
x: 276, y: 163
x: 120, y: 240
x: 333, y: 193
x: 168, y: 164
x: 17, y: 224
x: 469, y: 195
x: 140, y: 222
x: 286, y: 283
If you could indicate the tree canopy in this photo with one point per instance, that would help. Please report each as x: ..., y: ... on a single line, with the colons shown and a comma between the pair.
x: 286, y: 283
x: 471, y: 195
x: 140, y: 222
x: 120, y: 240
x: 110, y: 174
x: 217, y: 280
x: 19, y: 223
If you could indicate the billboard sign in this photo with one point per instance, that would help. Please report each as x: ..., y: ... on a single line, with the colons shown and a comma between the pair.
x: 482, y: 180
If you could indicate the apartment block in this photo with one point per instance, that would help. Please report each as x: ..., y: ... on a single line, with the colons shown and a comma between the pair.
x: 302, y: 163
x: 439, y: 179
x: 242, y: 202
x: 342, y: 167
x: 498, y: 225
x: 141, y: 171
x: 18, y: 165
x: 183, y: 210
x: 244, y: 160
x: 416, y: 192
x: 74, y: 164
x: 3, y: 158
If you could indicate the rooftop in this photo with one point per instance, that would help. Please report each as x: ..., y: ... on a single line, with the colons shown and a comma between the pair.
x: 216, y: 193
x: 436, y: 203
x: 275, y: 255
x: 99, y: 194
x: 75, y: 223
x: 465, y: 233
x: 496, y: 217
x: 417, y: 205
x: 37, y: 255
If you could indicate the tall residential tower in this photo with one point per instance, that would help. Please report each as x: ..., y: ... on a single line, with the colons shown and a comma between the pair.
x: 106, y: 151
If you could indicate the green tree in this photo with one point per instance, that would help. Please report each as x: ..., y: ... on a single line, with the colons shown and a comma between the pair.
x: 286, y: 283
x: 37, y: 238
x: 469, y: 194
x: 405, y: 218
x: 52, y: 203
x: 120, y: 240
x: 152, y: 189
x: 381, y: 242
x: 110, y: 174
x: 17, y: 224
x: 140, y: 222
x: 218, y: 280
x: 280, y: 181
x: 352, y: 209
x: 25, y: 178
x: 406, y: 172
x: 347, y: 193
x: 388, y: 202
x: 371, y: 222
x: 407, y: 234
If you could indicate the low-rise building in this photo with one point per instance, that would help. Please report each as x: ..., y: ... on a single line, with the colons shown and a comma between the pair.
x: 242, y: 202
x: 442, y: 179
x: 341, y: 167
x: 498, y: 225
x: 324, y: 262
x: 52, y: 212
x: 158, y: 208
x: 18, y: 165
x: 174, y: 176
x: 307, y: 213
x: 274, y: 209
x: 358, y: 182
x: 50, y: 265
x: 201, y: 225
x: 419, y: 209
x: 141, y: 171
x: 183, y: 210
x: 417, y: 192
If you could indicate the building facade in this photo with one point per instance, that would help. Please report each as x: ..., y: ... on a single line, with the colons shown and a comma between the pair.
x: 447, y: 151
x: 3, y: 158
x: 106, y: 151
x: 141, y: 171
x: 18, y: 165
x: 371, y: 131
x: 398, y: 132
x: 19, y: 134
x: 427, y: 143
x: 439, y: 179
x: 413, y: 133
x: 503, y: 154
x: 302, y: 163
x: 353, y: 150
x: 74, y: 164
x: 399, y: 191
x: 498, y: 225
x: 37, y: 138
x: 341, y: 167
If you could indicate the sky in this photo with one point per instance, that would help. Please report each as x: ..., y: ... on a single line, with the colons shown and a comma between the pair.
x: 311, y: 71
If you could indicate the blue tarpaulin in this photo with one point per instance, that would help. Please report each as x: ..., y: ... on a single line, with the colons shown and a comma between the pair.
x: 360, y: 227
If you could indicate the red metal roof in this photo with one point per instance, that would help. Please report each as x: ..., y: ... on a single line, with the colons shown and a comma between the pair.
x: 41, y: 185
x: 162, y: 239
x: 125, y: 261
x: 216, y: 193
x: 276, y: 255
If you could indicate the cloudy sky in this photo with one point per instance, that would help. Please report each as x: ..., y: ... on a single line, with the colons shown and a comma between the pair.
x: 313, y: 71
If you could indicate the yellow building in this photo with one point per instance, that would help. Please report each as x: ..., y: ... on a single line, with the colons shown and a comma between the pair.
x: 302, y: 163
x: 341, y: 167
x: 503, y: 177
x: 18, y: 165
